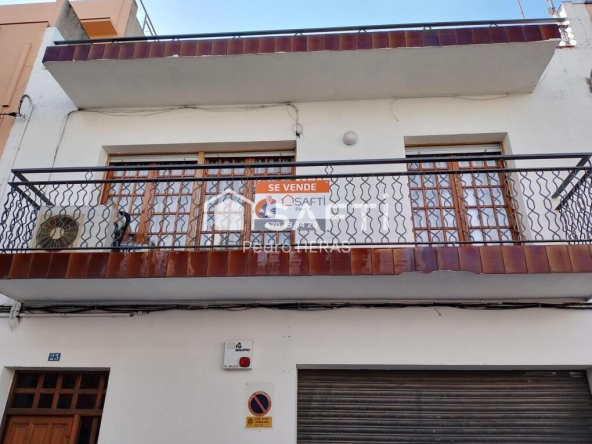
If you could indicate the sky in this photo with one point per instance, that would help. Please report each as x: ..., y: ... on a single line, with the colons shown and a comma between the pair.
x: 202, y: 16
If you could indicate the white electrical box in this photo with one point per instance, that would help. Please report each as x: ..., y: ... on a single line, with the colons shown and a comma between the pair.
x: 238, y: 354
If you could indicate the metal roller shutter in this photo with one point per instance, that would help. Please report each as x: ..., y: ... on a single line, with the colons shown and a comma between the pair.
x: 361, y: 407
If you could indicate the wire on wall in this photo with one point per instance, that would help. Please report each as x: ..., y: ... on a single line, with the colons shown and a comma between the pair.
x: 18, y: 112
x: 468, y: 98
x: 27, y: 118
x: 141, y: 112
x: 65, y: 309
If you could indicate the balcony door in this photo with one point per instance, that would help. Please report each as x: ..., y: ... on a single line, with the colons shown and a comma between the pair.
x: 455, y: 201
x: 179, y: 207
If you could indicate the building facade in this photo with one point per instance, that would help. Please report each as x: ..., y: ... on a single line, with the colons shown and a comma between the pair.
x: 391, y: 224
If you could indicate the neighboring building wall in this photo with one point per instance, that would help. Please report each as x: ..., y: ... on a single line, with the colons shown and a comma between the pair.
x: 69, y: 24
x: 111, y: 17
x: 120, y: 13
x: 27, y: 13
x: 19, y: 47
x: 22, y: 29
x: 133, y: 26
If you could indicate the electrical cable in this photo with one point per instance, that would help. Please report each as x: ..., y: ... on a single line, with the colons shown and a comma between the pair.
x: 61, y: 135
x: 27, y: 118
x: 144, y: 112
x: 290, y: 306
x: 18, y: 112
x: 521, y: 10
x: 472, y: 99
x: 297, y: 128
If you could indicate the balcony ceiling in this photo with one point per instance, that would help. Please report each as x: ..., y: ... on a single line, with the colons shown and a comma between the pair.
x: 372, y: 65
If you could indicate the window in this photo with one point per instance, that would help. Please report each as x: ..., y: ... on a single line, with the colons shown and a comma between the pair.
x: 191, y: 207
x: 158, y: 203
x: 241, y: 181
x: 464, y: 206
x: 76, y: 397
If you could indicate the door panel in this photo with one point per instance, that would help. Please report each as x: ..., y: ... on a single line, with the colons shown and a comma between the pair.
x: 59, y: 433
x: 38, y: 430
x: 17, y: 431
x: 47, y: 407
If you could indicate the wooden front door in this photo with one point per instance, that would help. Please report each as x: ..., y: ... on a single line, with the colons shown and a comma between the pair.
x: 38, y: 430
x: 54, y: 407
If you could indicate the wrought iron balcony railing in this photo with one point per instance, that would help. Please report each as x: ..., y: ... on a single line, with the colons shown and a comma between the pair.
x: 235, y: 202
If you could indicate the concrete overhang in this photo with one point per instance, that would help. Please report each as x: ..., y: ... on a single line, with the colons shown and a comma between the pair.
x: 438, y: 286
x: 372, y: 65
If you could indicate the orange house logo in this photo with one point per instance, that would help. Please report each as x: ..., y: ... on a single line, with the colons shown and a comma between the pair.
x: 288, y: 201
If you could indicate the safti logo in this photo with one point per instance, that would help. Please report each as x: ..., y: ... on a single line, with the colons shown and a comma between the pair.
x: 229, y: 210
x: 300, y: 206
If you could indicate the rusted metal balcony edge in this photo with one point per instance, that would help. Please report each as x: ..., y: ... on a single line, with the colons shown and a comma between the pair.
x: 460, y: 36
x: 305, y: 31
x: 501, y: 260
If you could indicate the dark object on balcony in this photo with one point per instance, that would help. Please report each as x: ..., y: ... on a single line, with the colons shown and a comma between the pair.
x: 119, y: 231
x: 136, y: 246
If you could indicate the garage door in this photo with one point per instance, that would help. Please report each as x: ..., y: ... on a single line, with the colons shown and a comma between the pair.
x: 443, y: 407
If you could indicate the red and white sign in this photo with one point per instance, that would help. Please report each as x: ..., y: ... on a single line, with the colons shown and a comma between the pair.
x: 290, y: 205
x: 259, y: 404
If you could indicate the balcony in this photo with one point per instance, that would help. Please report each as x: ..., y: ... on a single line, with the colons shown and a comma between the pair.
x: 351, y: 63
x: 431, y: 227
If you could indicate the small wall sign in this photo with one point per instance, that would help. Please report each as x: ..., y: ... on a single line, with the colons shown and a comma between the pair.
x: 259, y: 405
x: 238, y: 355
x: 54, y: 357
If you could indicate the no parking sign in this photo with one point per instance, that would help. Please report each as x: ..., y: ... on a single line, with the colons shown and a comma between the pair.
x: 259, y: 405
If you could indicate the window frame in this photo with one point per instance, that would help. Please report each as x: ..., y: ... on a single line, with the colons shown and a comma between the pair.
x: 198, y: 194
x: 77, y: 414
x: 462, y: 226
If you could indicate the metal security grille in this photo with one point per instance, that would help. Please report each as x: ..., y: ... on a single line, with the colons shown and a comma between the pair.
x: 364, y: 407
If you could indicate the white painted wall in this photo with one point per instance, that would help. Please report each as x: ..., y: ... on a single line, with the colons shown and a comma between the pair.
x: 167, y: 382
